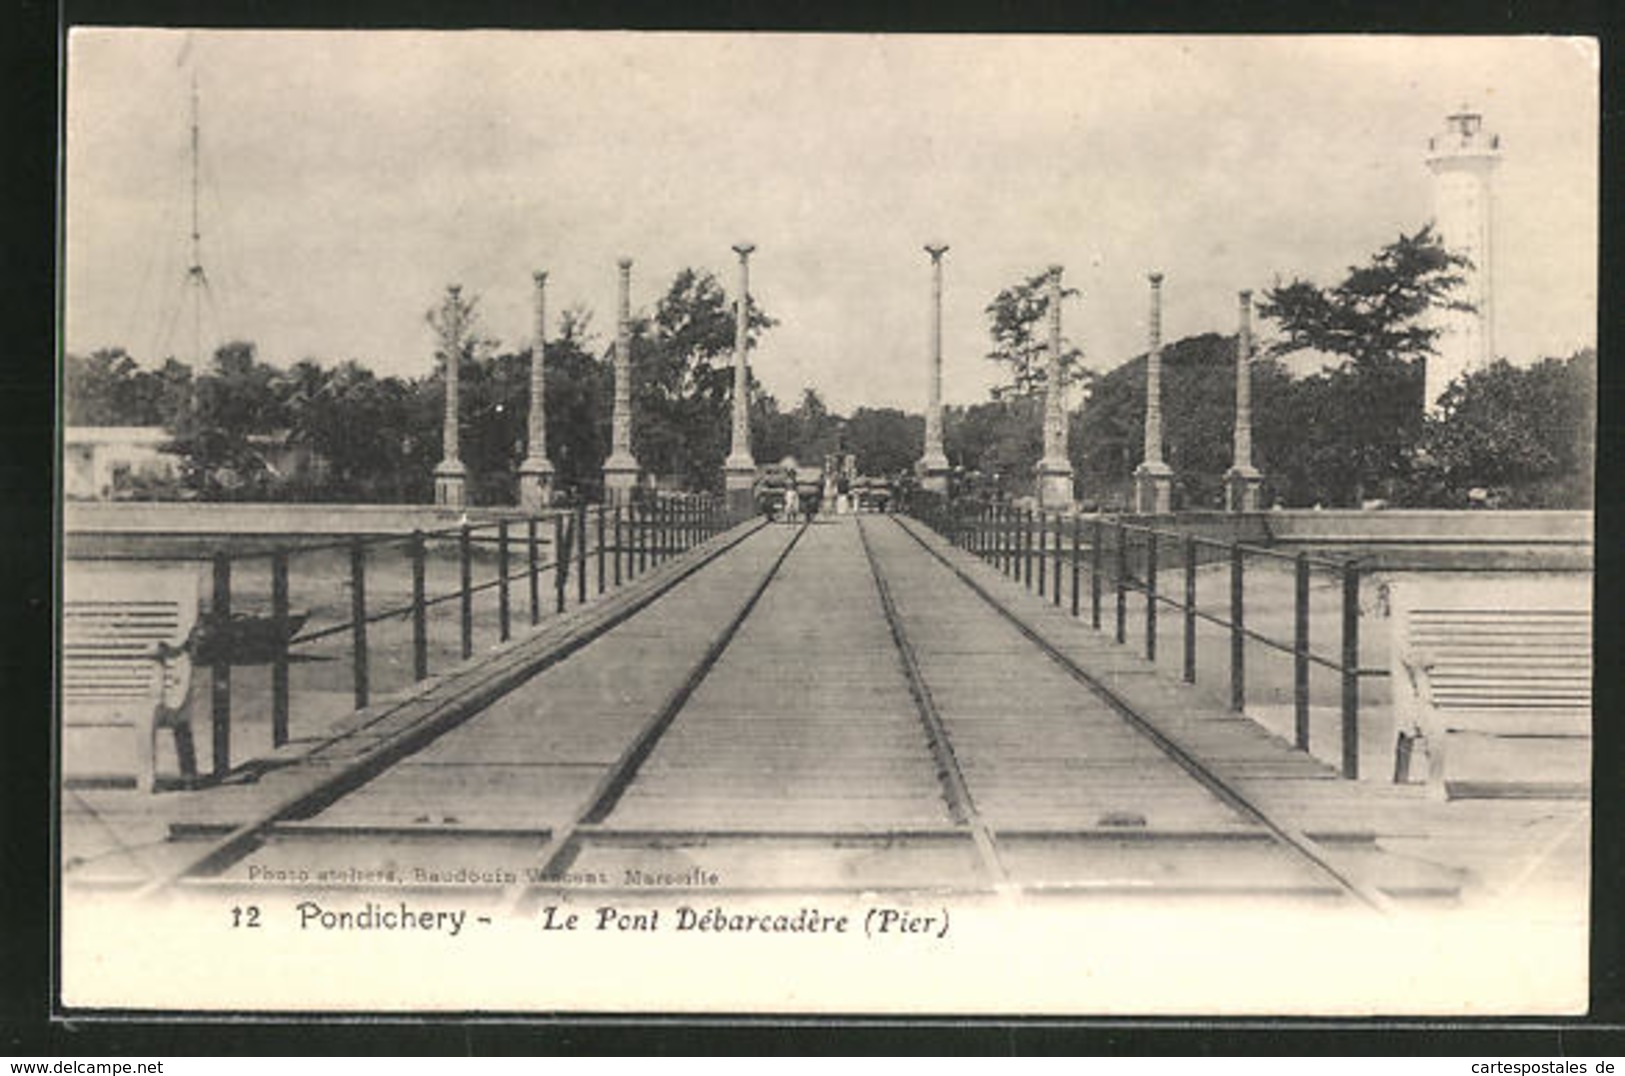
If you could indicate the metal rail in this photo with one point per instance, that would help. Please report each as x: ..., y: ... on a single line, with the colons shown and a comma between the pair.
x: 298, y: 816
x: 459, y: 703
x: 1288, y: 835
x: 561, y: 851
x: 960, y: 802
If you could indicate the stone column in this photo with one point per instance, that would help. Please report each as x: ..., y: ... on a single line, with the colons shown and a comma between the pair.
x: 1242, y: 481
x: 1154, y: 479
x: 1054, y: 470
x: 536, y: 473
x: 450, y: 476
x: 740, y: 470
x: 933, y: 465
x: 621, y: 469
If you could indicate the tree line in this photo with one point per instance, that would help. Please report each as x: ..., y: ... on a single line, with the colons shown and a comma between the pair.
x: 379, y: 437
x: 1355, y: 431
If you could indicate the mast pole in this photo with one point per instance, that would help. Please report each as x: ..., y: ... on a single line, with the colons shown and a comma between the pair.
x: 195, y: 273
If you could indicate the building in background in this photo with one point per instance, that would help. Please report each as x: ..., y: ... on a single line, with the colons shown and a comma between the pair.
x: 99, y: 461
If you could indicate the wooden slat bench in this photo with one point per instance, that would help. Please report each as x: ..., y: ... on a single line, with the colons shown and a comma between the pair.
x: 126, y: 671
x: 1492, y: 677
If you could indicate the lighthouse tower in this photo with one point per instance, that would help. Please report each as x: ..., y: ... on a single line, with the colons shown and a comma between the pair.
x: 1463, y: 161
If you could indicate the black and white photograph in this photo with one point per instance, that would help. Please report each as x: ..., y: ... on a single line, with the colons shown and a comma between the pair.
x: 724, y: 523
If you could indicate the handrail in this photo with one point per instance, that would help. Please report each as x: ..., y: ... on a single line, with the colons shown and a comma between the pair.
x: 582, y: 538
x: 1010, y: 539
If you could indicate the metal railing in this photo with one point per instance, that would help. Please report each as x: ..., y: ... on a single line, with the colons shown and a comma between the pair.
x: 490, y: 575
x: 1100, y: 567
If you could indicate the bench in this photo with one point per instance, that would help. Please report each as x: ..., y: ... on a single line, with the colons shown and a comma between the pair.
x: 126, y: 671
x: 1492, y: 679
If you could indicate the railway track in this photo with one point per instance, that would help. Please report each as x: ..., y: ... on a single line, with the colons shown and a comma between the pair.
x: 834, y: 708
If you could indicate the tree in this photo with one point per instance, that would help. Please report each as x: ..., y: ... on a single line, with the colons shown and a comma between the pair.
x: 362, y: 427
x: 885, y: 440
x: 683, y: 379
x: 1001, y: 439
x: 236, y: 401
x: 1016, y: 317
x: 1374, y: 326
x: 579, y: 394
x: 772, y: 431
x: 1199, y: 410
x: 818, y: 432
x: 107, y: 388
x: 1526, y: 437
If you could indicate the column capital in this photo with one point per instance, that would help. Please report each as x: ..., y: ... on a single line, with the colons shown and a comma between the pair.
x: 1055, y: 271
x: 743, y: 249
x: 1155, y: 276
x: 936, y: 250
x: 625, y: 264
x: 1244, y: 296
x: 539, y: 276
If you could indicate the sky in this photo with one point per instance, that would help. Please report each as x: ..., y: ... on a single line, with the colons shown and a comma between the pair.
x: 347, y: 177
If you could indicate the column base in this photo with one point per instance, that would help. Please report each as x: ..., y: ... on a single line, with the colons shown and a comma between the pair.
x: 739, y: 480
x: 1153, y: 489
x: 1054, y: 485
x: 933, y: 470
x: 621, y: 474
x: 535, y: 485
x: 1242, y: 489
x: 450, y: 484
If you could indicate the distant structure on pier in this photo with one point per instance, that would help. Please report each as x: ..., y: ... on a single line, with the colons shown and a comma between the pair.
x: 1463, y: 161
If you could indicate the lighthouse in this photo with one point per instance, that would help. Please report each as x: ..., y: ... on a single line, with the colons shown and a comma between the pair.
x: 1463, y: 160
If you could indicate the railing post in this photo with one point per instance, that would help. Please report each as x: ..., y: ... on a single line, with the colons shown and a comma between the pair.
x: 1012, y: 566
x: 1238, y: 631
x: 358, y: 619
x: 641, y: 514
x: 1055, y: 576
x: 620, y: 552
x: 1077, y: 559
x: 1002, y: 540
x: 662, y: 530
x: 1351, y: 670
x: 651, y: 532
x: 1190, y: 609
x: 1300, y: 653
x: 279, y: 666
x: 1043, y: 551
x: 420, y: 619
x: 1121, y: 583
x: 503, y: 621
x: 1027, y: 548
x: 561, y: 560
x: 600, y: 549
x: 1151, y: 595
x: 1097, y: 555
x: 220, y: 670
x: 535, y: 582
x: 581, y: 553
x: 465, y: 563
